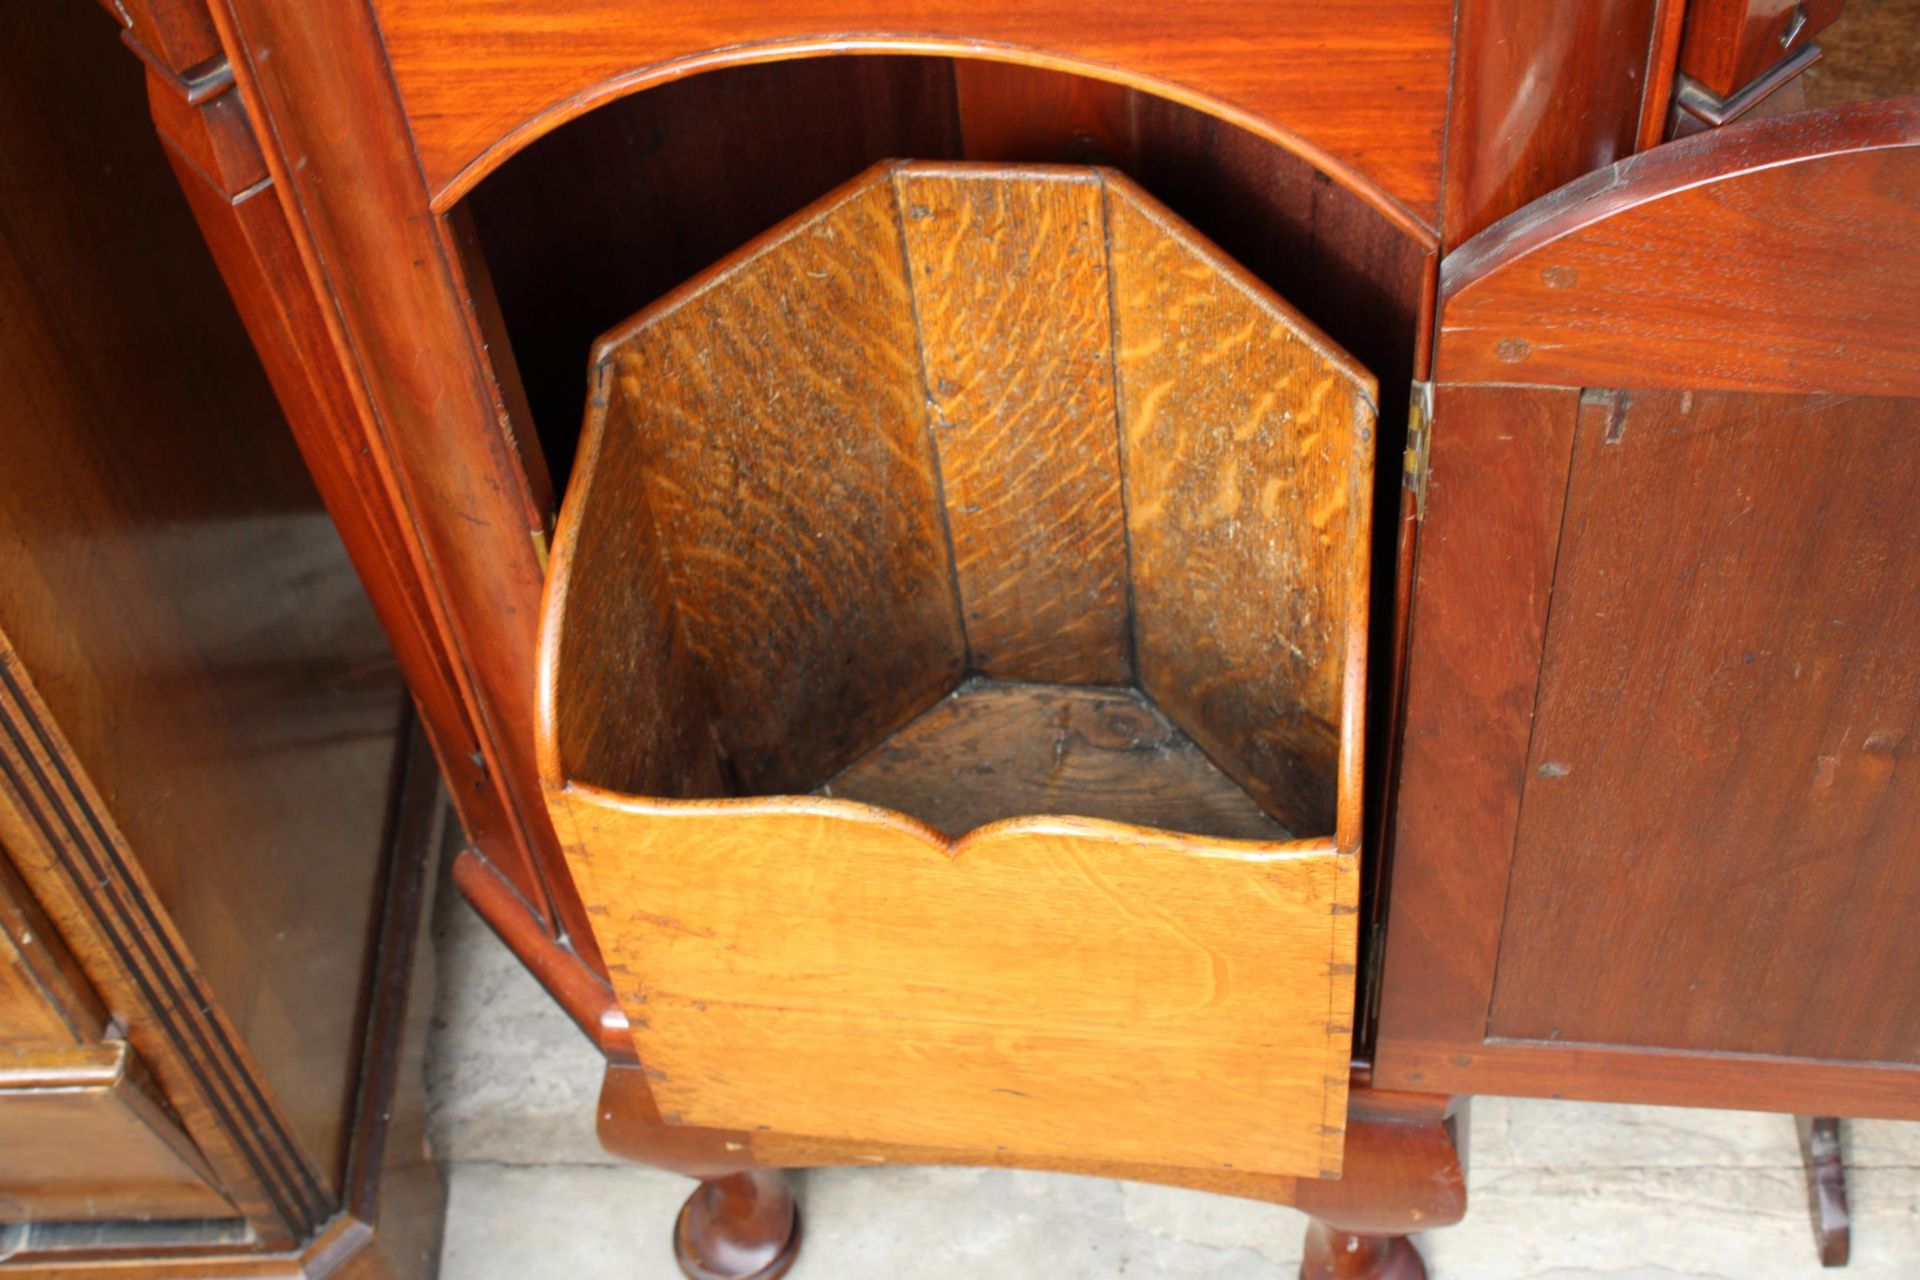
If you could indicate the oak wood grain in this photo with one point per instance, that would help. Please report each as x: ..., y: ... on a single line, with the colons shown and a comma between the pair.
x: 775, y: 410
x: 1053, y: 958
x: 1049, y: 987
x: 1247, y: 446
x: 1403, y: 1169
x: 1010, y: 297
x: 659, y: 743
x: 993, y: 750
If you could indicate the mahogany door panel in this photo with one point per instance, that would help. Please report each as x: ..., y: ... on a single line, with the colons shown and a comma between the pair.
x: 1479, y: 614
x: 1720, y: 801
x: 1655, y: 816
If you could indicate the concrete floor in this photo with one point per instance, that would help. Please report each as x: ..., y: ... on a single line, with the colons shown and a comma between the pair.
x: 1559, y: 1191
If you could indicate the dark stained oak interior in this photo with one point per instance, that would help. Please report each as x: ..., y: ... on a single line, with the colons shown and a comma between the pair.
x: 994, y: 749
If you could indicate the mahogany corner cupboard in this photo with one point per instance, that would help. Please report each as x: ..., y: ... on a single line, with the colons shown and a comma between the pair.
x: 1169, y: 592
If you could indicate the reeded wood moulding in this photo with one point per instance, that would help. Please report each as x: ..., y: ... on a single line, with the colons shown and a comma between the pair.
x: 966, y: 489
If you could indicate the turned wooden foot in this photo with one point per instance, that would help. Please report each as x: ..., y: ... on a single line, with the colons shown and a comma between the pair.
x: 1332, y: 1254
x: 741, y: 1227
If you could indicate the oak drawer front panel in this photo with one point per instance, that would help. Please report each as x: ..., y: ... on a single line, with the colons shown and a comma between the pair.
x: 1716, y: 842
x: 1049, y: 988
x: 84, y: 1138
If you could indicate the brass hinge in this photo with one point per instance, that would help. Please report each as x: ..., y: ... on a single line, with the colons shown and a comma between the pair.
x: 1418, y: 457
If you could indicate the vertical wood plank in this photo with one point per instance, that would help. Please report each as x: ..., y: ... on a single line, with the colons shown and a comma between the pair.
x: 1248, y: 465
x: 782, y: 431
x: 1011, y: 112
x: 1484, y: 576
x: 1010, y: 288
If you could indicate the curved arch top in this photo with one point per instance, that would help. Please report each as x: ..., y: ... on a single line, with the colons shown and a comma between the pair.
x: 1773, y: 255
x: 1359, y: 90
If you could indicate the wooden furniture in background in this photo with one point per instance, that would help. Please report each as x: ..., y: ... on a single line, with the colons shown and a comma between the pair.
x: 211, y: 836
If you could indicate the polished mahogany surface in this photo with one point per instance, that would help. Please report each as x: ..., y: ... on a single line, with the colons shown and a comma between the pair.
x: 1715, y: 844
x: 1730, y: 43
x: 480, y: 77
x: 170, y: 582
x: 1651, y: 840
x: 1542, y: 93
x: 1772, y: 255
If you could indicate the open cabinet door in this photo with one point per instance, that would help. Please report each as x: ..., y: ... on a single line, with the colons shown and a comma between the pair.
x: 1658, y: 827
